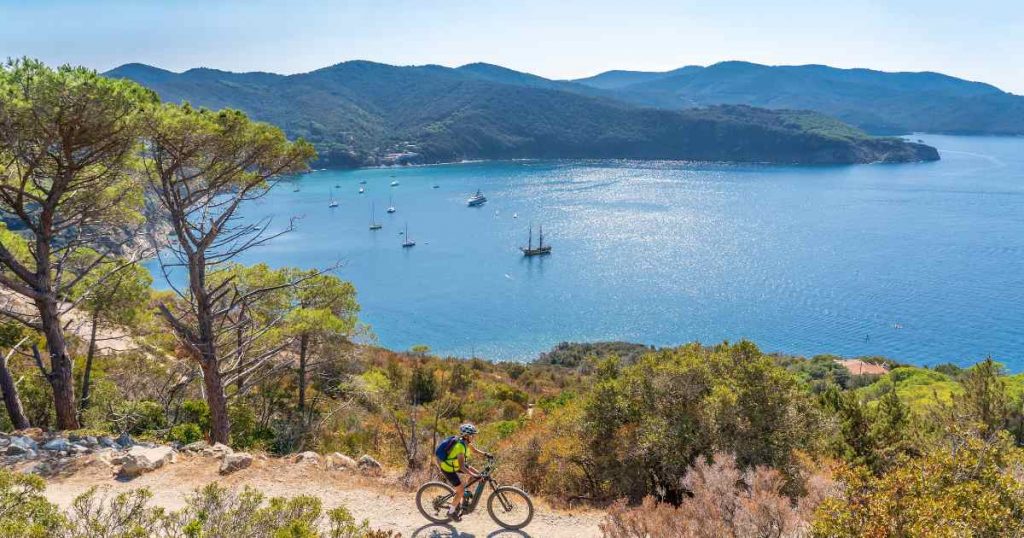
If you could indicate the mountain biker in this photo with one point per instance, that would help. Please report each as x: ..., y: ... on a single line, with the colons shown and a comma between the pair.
x: 454, y: 463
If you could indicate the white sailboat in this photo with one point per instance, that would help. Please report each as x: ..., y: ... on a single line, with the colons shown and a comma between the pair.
x: 391, y: 206
x: 334, y: 203
x: 374, y: 225
x: 408, y: 242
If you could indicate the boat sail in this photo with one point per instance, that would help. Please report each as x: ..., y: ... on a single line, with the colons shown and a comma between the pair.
x: 408, y: 242
x: 374, y: 225
x: 334, y: 203
x: 541, y: 249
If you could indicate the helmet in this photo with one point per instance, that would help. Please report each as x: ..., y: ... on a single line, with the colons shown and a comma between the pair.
x: 468, y: 429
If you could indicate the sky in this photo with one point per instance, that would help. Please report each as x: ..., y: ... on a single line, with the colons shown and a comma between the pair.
x: 978, y: 39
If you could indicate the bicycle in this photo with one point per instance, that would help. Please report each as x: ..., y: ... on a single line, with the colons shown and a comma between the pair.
x: 505, y: 502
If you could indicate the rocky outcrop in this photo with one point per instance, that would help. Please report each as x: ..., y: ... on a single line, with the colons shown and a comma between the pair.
x: 341, y: 461
x: 307, y: 457
x: 367, y: 463
x: 235, y: 461
x: 140, y: 460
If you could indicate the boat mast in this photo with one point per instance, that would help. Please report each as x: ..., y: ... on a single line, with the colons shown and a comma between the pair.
x: 530, y: 242
x: 541, y: 245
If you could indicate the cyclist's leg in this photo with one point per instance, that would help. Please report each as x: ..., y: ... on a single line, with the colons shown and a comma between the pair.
x: 460, y: 489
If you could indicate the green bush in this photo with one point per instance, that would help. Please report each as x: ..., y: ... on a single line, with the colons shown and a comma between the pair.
x: 143, y: 417
x: 185, y: 433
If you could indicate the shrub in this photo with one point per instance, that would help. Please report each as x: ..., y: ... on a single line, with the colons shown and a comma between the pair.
x: 24, y: 511
x: 185, y: 433
x: 723, y: 501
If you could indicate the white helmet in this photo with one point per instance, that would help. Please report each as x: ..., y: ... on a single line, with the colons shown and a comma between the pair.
x: 468, y: 429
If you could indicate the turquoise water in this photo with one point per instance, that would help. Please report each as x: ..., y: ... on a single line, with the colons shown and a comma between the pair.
x: 919, y: 262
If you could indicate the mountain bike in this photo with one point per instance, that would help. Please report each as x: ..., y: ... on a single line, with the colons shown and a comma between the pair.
x: 508, y: 506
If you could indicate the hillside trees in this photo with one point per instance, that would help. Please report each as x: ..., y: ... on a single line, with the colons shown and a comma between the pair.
x: 201, y: 166
x: 67, y: 147
x: 113, y: 295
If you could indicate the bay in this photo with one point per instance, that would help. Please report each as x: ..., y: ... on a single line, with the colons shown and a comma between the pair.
x: 922, y: 263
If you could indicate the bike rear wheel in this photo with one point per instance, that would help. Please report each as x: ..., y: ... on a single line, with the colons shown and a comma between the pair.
x: 510, y: 507
x: 433, y: 500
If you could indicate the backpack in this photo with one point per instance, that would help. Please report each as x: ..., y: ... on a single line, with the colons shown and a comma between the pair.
x: 445, y: 447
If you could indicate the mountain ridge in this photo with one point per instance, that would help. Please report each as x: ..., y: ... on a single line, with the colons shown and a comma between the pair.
x: 361, y: 113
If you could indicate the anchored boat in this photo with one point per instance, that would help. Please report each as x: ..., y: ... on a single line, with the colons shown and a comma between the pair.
x: 477, y: 199
x: 541, y: 249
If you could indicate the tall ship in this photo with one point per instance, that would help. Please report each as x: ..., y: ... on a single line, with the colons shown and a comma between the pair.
x: 477, y: 199
x: 541, y: 249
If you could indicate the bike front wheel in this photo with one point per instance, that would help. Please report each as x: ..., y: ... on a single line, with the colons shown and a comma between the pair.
x: 433, y: 500
x: 510, y: 507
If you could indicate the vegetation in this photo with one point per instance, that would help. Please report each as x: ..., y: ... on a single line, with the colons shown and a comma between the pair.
x: 876, y: 101
x: 363, y: 113
x: 212, y: 511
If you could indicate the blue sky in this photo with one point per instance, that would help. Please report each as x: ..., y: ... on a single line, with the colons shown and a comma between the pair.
x: 979, y: 40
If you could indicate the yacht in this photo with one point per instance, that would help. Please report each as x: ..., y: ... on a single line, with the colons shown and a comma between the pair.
x: 334, y: 203
x: 477, y: 199
x: 361, y: 190
x: 541, y: 249
x: 408, y: 241
x: 391, y: 206
x: 374, y: 225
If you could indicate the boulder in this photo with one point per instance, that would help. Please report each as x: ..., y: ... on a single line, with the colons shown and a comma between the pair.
x: 197, y: 446
x: 307, y: 457
x: 217, y: 450
x: 35, y: 434
x: 341, y: 461
x: 367, y: 463
x: 140, y: 460
x: 106, y: 442
x: 125, y: 440
x: 57, y: 443
x: 234, y: 462
x: 20, y: 446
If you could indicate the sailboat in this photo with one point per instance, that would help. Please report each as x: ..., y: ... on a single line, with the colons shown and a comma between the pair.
x: 334, y: 203
x: 541, y: 249
x: 391, y: 206
x: 408, y: 242
x: 361, y: 190
x: 374, y: 225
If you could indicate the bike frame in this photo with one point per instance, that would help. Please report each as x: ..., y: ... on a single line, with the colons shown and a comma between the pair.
x: 484, y: 479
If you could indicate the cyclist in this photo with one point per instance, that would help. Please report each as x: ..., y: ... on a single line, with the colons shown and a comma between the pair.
x: 454, y: 462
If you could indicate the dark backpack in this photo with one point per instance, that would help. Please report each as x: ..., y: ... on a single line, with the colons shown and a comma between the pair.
x: 445, y: 447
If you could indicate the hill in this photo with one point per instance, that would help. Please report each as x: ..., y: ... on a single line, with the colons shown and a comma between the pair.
x: 876, y: 101
x: 363, y: 113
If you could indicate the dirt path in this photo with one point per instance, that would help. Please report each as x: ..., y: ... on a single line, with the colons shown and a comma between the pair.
x: 386, y: 507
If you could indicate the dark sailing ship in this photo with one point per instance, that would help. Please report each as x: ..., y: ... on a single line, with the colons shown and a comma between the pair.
x: 541, y: 249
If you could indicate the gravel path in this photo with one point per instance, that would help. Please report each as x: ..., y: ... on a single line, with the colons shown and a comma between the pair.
x: 385, y: 506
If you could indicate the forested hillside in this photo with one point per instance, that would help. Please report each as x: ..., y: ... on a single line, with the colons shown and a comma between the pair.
x: 876, y: 101
x: 363, y: 113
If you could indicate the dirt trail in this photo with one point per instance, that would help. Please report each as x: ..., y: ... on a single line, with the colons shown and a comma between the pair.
x: 385, y: 506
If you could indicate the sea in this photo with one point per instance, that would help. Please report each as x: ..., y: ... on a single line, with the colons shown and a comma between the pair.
x: 920, y: 262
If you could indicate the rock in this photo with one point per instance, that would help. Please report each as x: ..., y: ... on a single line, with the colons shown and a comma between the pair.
x: 80, y: 449
x: 140, y: 460
x: 106, y: 442
x: 90, y: 441
x: 218, y: 450
x: 125, y: 440
x: 307, y: 457
x: 197, y: 446
x: 341, y: 461
x: 20, y: 446
x: 367, y: 463
x: 234, y: 462
x: 57, y: 443
x: 41, y: 468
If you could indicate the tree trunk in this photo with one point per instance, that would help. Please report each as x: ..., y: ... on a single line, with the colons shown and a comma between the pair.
x: 220, y: 425
x: 60, y: 375
x: 11, y: 400
x: 87, y: 374
x: 303, y: 348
